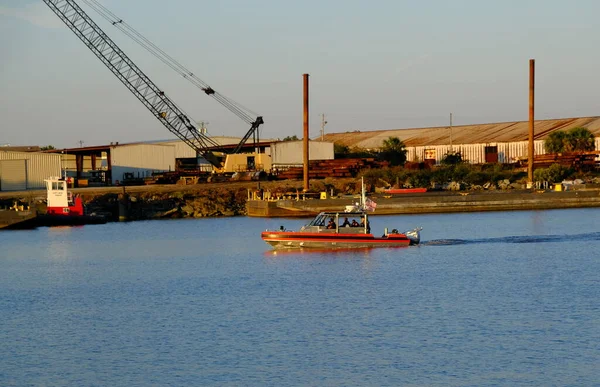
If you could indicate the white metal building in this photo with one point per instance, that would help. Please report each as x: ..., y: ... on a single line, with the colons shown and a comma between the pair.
x: 502, y: 142
x: 182, y: 150
x: 141, y: 160
x: 27, y: 170
x: 292, y: 152
x: 501, y: 152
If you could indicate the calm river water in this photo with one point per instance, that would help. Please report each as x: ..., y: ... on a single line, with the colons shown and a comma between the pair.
x: 508, y: 298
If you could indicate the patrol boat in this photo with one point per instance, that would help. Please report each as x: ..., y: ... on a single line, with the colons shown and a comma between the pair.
x: 341, y: 230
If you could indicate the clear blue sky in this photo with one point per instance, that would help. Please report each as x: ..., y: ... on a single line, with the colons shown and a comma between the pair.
x: 372, y: 65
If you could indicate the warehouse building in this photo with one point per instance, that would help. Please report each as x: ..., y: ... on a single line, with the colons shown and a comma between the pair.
x: 112, y: 164
x: 504, y: 142
x: 140, y: 160
x: 290, y: 153
x: 27, y: 170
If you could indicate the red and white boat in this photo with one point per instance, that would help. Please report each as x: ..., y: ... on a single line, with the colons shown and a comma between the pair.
x: 341, y: 230
x: 63, y: 208
x: 317, y: 234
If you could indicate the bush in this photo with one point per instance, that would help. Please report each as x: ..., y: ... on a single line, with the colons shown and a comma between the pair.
x: 361, y: 153
x: 396, y: 176
x: 442, y: 175
x: 477, y: 177
x: 460, y: 172
x: 452, y: 158
x: 373, y: 177
x: 553, y: 174
x: 340, y: 151
x: 420, y: 179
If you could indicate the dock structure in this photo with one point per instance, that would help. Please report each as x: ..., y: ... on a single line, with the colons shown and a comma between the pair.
x: 434, y: 202
x: 12, y: 219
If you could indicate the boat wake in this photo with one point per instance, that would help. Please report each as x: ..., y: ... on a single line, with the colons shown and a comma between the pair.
x: 516, y: 239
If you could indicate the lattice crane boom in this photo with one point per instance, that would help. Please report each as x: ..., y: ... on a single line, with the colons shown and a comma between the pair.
x: 150, y: 95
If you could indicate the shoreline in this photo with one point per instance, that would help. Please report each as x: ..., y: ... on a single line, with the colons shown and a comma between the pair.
x: 436, y: 202
x: 235, y: 199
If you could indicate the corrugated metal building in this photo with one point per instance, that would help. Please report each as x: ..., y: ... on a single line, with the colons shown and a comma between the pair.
x: 27, y: 170
x: 501, y: 142
x: 183, y: 150
x: 292, y: 152
x: 141, y: 160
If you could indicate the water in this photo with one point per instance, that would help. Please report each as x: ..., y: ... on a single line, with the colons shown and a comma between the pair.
x: 487, y: 299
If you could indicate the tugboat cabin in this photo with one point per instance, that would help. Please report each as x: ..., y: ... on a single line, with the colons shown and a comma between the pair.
x: 59, y: 200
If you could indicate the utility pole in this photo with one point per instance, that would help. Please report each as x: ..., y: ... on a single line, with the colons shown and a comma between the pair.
x: 323, y: 123
x: 81, y: 143
x: 64, y: 159
x: 202, y: 127
x: 305, y: 139
x: 531, y: 122
x: 450, y: 132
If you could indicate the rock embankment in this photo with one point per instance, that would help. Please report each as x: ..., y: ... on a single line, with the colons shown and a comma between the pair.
x: 229, y: 199
x: 166, y: 201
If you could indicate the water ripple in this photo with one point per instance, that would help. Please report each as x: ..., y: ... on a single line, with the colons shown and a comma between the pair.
x: 595, y: 236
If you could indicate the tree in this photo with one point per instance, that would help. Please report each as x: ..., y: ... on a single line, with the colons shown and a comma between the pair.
x: 580, y: 140
x: 291, y: 138
x: 394, y: 151
x: 47, y: 147
x: 340, y: 151
x: 555, y: 142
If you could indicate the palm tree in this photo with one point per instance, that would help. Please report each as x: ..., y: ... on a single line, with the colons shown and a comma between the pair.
x: 555, y: 142
x: 580, y: 140
x: 394, y: 151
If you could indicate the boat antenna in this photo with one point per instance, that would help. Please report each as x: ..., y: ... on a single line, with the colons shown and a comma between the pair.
x: 362, y: 196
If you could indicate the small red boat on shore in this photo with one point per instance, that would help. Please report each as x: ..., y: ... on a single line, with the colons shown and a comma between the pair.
x: 405, y: 190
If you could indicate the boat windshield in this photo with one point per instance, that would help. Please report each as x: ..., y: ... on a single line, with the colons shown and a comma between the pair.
x: 319, y: 220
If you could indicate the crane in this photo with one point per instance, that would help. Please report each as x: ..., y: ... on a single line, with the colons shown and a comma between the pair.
x: 146, y: 91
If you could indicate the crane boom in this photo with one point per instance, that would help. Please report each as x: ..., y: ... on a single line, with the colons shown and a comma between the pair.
x: 242, y: 112
x: 155, y: 100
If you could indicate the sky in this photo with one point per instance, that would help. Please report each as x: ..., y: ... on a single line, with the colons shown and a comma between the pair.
x: 373, y: 65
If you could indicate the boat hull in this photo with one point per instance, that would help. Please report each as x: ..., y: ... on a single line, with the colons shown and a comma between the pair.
x: 49, y: 220
x: 291, y: 239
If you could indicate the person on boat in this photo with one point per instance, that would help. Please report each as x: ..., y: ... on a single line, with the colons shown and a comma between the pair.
x: 331, y: 224
x: 346, y: 223
x: 362, y: 224
x: 355, y: 223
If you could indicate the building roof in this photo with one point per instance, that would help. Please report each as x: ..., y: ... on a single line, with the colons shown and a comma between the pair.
x: 30, y: 148
x: 464, y: 134
x: 224, y: 141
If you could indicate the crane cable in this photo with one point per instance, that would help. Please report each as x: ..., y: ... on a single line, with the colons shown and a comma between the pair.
x: 236, y: 108
x: 145, y: 43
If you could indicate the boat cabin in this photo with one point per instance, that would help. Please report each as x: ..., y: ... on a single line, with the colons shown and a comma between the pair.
x: 340, y: 222
x: 59, y: 200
